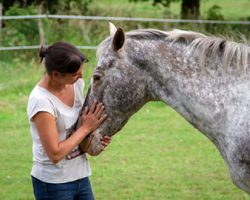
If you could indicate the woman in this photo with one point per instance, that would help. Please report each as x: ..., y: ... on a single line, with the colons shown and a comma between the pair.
x: 60, y: 170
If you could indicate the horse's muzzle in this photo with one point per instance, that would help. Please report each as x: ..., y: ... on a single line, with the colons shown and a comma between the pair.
x: 92, y: 144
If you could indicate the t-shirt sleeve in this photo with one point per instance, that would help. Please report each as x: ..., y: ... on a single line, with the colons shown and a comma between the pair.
x: 36, y: 105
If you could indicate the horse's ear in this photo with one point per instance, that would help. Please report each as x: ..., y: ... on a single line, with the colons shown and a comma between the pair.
x: 112, y: 29
x: 119, y: 39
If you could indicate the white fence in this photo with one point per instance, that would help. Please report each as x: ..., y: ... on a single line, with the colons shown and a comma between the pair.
x: 108, y: 19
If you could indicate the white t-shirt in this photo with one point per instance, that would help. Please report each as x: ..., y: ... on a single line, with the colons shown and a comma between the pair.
x: 66, y: 170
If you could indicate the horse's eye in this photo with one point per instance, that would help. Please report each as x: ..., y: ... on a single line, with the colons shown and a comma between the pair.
x: 96, y: 77
x: 98, y: 74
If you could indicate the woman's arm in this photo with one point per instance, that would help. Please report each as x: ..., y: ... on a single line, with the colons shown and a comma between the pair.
x: 56, y: 149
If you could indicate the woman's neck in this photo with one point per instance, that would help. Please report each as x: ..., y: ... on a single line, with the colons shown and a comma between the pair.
x: 65, y: 92
x: 51, y: 85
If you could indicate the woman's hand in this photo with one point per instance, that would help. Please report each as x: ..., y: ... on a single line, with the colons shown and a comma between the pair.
x: 93, y: 117
x: 106, y: 140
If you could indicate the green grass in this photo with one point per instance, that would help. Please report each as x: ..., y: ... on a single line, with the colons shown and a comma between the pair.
x: 231, y: 9
x: 158, y: 155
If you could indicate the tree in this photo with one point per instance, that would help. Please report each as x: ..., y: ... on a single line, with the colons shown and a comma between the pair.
x: 26, y: 33
x: 190, y: 9
x: 51, y: 6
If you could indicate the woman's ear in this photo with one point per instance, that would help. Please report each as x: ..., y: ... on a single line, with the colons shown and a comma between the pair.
x: 56, y: 75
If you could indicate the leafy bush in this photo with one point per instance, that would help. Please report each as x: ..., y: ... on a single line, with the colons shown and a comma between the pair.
x: 21, y: 31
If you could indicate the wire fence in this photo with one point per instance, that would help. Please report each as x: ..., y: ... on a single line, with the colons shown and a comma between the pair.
x: 121, y: 19
x: 130, y: 19
x: 38, y: 47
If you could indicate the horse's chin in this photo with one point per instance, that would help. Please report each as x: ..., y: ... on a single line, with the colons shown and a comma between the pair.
x: 92, y: 144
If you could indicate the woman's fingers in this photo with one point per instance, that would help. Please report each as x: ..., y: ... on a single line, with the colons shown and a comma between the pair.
x: 106, y: 140
x: 86, y: 110
x: 96, y: 107
x: 103, y: 117
x: 93, y: 107
x: 99, y: 111
x: 92, y: 117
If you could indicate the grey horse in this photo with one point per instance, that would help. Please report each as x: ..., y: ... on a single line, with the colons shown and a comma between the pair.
x: 205, y: 79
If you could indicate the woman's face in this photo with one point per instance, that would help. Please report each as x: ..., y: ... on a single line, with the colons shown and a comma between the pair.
x: 70, y: 78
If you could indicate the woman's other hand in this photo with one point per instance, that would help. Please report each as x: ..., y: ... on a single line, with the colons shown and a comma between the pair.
x: 106, y: 140
x: 93, y: 117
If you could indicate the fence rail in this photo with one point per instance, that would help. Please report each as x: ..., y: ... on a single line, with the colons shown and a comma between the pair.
x: 108, y: 19
x: 121, y: 19
x: 38, y: 47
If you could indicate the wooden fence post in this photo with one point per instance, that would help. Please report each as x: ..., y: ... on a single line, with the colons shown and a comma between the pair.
x: 1, y: 24
x: 40, y: 25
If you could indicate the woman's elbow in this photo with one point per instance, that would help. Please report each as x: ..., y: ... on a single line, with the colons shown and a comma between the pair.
x: 55, y: 158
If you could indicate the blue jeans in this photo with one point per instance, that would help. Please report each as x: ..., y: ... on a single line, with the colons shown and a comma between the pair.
x: 75, y: 190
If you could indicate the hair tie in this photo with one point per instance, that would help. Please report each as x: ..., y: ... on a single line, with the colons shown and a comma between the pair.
x: 42, y: 52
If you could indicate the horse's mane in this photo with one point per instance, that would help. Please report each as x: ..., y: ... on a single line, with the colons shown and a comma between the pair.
x: 154, y: 34
x: 207, y: 45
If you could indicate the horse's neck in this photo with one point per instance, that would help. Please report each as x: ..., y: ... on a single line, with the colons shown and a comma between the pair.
x: 180, y: 83
x: 199, y: 93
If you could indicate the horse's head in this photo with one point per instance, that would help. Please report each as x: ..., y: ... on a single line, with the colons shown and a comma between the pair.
x: 116, y: 82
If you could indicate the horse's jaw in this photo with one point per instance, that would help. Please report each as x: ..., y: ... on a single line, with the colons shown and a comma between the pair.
x: 92, y: 144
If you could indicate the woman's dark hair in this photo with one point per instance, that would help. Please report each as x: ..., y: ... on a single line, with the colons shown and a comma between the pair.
x: 62, y: 57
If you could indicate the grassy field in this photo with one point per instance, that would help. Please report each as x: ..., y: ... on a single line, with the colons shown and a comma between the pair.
x: 230, y: 9
x: 158, y: 155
